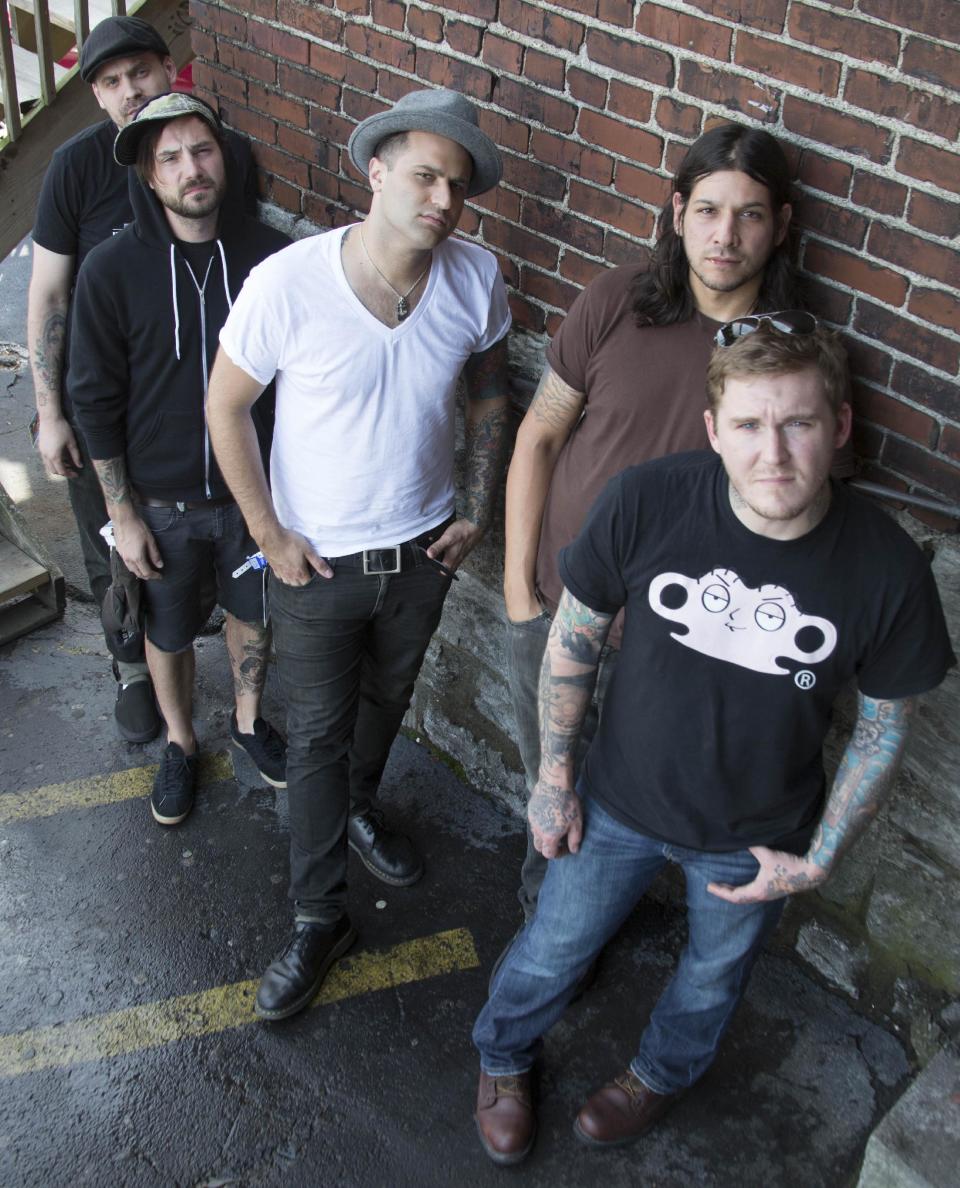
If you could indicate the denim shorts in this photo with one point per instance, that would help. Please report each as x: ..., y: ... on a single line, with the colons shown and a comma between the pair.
x: 200, y: 547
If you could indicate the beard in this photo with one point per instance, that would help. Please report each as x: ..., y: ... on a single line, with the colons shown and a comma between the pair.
x: 197, y: 205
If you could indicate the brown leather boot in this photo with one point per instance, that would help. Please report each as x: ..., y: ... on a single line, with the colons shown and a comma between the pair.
x: 505, y: 1119
x: 621, y: 1112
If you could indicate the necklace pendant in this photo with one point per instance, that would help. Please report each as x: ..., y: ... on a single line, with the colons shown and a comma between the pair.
x: 403, y: 310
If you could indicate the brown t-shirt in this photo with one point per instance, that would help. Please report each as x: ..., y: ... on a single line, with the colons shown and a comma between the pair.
x: 646, y: 393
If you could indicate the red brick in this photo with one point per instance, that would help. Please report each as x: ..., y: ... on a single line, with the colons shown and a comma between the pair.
x: 553, y: 323
x: 220, y: 20
x: 933, y: 63
x: 507, y: 133
x: 532, y: 104
x: 307, y: 85
x: 617, y: 249
x: 331, y: 127
x: 867, y: 444
x: 571, y: 157
x: 758, y: 14
x: 482, y: 10
x: 532, y: 178
x: 526, y: 315
x: 867, y: 361
x: 950, y: 442
x: 826, y: 218
x: 912, y: 339
x: 856, y: 273
x: 358, y: 106
x: 579, y: 269
x: 914, y: 254
x: 361, y: 76
x: 279, y: 107
x: 616, y: 12
x: 584, y: 7
x: 539, y: 24
x: 766, y: 56
x: 878, y: 193
x: 930, y: 470
x: 633, y: 143
x: 392, y: 86
x: 586, y: 87
x: 500, y: 201
x: 317, y: 152
x: 940, y: 396
x: 828, y: 302
x: 274, y: 161
x: 673, y: 156
x: 382, y: 47
x: 353, y: 7
x: 544, y: 69
x: 250, y: 123
x: 502, y: 54
x: 221, y: 83
x: 529, y: 248
x: 938, y: 18
x: 388, y: 14
x: 633, y: 103
x: 732, y: 91
x: 937, y: 306
x: 244, y: 62
x: 279, y: 44
x: 560, y: 224
x: 463, y: 37
x: 817, y: 122
x: 285, y: 195
x: 333, y: 63
x: 937, y: 522
x: 625, y: 55
x: 834, y: 34
x: 683, y: 119
x: 547, y: 289
x: 204, y: 45
x: 899, y: 102
x: 421, y: 23
x: 265, y: 9
x: 938, y: 167
x: 934, y: 215
x: 891, y: 413
x: 607, y: 208
x: 689, y: 32
x: 454, y: 74
x: 824, y: 173
x: 469, y: 224
x: 649, y: 187
x: 508, y: 270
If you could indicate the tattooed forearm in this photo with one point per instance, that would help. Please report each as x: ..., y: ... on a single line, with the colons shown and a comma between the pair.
x: 867, y: 772
x: 567, y: 679
x: 555, y: 403
x: 112, y: 473
x: 486, y: 447
x: 47, y: 357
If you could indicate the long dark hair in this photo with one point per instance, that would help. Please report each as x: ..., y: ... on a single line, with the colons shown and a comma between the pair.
x: 661, y: 293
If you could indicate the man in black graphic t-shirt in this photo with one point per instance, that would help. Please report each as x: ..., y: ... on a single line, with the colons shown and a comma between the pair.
x: 147, y: 313
x: 753, y: 588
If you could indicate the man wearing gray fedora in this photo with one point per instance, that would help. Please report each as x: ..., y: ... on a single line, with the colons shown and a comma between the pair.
x: 366, y: 330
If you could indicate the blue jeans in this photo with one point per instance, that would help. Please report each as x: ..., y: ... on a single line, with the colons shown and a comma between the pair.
x: 526, y: 643
x: 349, y: 649
x: 584, y: 900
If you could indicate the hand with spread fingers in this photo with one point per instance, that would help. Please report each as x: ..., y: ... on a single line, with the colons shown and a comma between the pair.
x: 780, y: 874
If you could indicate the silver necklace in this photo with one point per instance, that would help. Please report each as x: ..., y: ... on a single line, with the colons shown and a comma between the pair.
x: 403, y: 306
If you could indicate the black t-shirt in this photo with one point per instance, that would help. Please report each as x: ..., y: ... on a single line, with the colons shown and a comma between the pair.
x: 735, y: 647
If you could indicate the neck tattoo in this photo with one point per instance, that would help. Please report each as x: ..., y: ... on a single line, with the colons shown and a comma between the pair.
x: 403, y: 306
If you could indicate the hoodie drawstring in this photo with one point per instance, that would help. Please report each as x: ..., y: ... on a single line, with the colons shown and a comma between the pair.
x: 226, y: 281
x: 176, y: 307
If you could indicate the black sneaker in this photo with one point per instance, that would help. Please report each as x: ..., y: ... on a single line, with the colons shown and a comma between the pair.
x: 173, y: 788
x: 292, y: 981
x: 135, y: 711
x: 265, y: 747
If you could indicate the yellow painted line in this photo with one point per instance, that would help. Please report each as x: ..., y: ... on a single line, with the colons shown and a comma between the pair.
x: 101, y: 1037
x: 102, y: 789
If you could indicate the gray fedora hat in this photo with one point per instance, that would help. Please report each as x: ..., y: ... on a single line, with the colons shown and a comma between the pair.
x: 162, y: 109
x: 442, y: 112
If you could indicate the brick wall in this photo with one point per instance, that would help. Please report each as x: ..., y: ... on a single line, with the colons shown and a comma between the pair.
x: 593, y: 103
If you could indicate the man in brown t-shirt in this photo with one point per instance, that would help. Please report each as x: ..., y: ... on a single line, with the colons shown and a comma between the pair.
x: 625, y: 382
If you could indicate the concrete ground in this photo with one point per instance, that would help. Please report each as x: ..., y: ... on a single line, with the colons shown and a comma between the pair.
x: 129, y: 955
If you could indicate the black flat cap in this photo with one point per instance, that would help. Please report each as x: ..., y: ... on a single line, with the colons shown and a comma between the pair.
x: 119, y: 37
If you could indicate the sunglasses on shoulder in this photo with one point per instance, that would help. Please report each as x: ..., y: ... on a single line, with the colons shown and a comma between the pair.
x: 787, y: 321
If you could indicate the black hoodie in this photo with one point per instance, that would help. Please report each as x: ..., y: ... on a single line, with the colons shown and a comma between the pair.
x: 143, y: 341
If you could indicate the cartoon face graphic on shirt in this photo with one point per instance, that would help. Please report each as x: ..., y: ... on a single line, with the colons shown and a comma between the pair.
x: 755, y: 628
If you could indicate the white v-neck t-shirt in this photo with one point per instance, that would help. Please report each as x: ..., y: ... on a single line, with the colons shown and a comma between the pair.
x: 363, y: 444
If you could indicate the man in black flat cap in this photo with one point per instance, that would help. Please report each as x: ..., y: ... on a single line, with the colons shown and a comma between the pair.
x: 366, y: 330
x: 83, y: 201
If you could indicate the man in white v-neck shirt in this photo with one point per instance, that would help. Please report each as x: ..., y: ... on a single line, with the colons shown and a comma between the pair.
x: 366, y: 330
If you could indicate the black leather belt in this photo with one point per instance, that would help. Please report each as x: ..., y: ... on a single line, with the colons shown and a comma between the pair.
x: 389, y: 559
x: 186, y: 505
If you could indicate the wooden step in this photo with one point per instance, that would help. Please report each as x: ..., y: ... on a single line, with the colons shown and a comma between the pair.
x: 63, y: 12
x: 31, y: 586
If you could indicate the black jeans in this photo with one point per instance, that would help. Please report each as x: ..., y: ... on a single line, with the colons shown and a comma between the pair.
x: 349, y: 649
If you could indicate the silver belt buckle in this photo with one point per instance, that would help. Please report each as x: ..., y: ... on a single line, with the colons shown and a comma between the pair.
x: 376, y: 561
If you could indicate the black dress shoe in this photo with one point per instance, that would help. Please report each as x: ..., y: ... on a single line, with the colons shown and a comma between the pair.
x: 389, y: 856
x: 294, y: 978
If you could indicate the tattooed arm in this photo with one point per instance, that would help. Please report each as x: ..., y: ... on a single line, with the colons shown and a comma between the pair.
x: 553, y: 413
x: 567, y: 678
x: 486, y: 376
x: 47, y: 303
x: 867, y: 772
x: 135, y: 542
